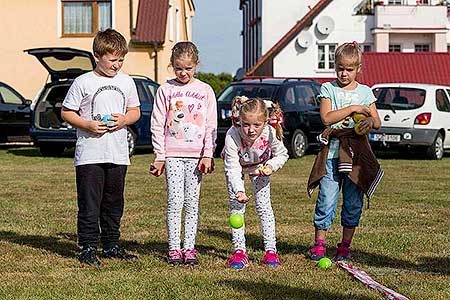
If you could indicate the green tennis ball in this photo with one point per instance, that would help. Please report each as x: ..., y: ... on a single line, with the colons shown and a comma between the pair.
x: 324, y: 263
x: 236, y: 221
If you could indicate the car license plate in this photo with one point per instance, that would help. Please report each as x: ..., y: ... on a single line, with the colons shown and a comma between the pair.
x: 379, y: 137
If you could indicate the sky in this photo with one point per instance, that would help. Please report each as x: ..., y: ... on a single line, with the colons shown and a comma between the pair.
x: 216, y: 30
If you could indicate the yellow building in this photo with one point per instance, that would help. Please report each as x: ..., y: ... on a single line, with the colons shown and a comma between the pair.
x: 152, y: 27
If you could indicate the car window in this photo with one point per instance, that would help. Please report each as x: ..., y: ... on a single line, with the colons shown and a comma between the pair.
x: 9, y: 96
x: 251, y: 91
x: 152, y: 87
x: 442, y: 102
x: 399, y: 98
x: 306, y: 93
x: 141, y: 92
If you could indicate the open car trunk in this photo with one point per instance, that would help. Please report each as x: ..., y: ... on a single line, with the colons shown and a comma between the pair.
x: 48, y: 109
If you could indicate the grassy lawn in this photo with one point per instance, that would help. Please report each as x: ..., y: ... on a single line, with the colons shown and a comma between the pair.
x: 403, y: 241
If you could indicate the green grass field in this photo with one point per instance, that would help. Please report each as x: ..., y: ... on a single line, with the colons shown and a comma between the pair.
x: 403, y: 241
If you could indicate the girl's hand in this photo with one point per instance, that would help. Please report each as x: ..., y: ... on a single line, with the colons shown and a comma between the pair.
x: 361, y: 109
x: 241, y: 197
x: 266, y: 170
x: 206, y: 165
x: 366, y: 124
x: 157, y: 168
x: 119, y: 122
x: 96, y: 127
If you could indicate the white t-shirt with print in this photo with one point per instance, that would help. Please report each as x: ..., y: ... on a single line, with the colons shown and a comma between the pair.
x: 94, y: 96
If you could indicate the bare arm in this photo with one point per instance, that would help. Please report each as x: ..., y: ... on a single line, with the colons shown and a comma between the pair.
x: 72, y: 117
x: 330, y: 116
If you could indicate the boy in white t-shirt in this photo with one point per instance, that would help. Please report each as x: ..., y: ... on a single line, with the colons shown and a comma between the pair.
x: 100, y: 104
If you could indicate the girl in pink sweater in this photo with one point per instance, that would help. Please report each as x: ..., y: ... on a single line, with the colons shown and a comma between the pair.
x: 183, y: 126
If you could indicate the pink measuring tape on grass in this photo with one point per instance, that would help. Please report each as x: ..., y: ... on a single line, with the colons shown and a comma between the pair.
x: 369, y: 282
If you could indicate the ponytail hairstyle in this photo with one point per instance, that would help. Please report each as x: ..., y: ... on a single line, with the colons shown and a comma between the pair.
x: 184, y: 49
x: 242, y: 105
x: 348, y: 51
x: 276, y: 119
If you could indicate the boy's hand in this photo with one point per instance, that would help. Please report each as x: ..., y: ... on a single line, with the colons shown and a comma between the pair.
x: 119, y: 122
x: 206, y: 165
x: 241, y: 197
x: 96, y: 127
x: 361, y: 109
x: 157, y: 168
x: 266, y: 170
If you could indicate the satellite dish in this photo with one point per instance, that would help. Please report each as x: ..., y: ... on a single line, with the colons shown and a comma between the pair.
x: 325, y: 25
x: 304, y: 39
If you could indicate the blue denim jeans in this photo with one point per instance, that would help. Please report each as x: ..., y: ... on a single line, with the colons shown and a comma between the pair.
x: 353, y: 199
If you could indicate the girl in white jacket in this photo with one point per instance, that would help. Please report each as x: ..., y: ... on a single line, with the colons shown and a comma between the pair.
x: 252, y: 147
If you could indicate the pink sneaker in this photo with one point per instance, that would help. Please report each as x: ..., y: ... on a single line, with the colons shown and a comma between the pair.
x: 318, y: 251
x: 190, y: 257
x: 343, y: 252
x: 271, y: 259
x: 175, y: 257
x: 238, y: 260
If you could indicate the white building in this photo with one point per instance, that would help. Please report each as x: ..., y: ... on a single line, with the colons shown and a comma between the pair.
x: 297, y: 38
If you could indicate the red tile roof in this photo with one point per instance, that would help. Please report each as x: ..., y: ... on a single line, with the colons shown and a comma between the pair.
x: 264, y: 66
x: 151, y: 21
x: 418, y: 67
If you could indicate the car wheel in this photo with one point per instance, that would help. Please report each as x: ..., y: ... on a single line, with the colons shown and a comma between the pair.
x: 51, y: 149
x: 436, y: 150
x: 298, y: 144
x: 131, y: 139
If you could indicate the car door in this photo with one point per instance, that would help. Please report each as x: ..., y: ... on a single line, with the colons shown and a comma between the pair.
x: 14, y: 115
x: 443, y: 113
x: 146, y: 92
x: 307, y: 96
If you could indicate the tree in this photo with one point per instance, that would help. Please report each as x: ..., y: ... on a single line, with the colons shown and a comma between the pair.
x: 216, y: 81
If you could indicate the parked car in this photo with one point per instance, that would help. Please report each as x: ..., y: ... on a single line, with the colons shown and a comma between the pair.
x: 413, y: 116
x: 297, y: 99
x: 49, y: 131
x: 14, y: 115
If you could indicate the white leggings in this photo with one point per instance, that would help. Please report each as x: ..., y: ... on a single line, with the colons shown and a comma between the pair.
x: 261, y: 192
x: 183, y: 190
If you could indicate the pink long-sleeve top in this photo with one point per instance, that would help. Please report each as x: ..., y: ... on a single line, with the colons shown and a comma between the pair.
x: 184, y: 120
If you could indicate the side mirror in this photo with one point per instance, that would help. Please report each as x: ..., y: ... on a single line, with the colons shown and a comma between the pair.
x: 27, y: 102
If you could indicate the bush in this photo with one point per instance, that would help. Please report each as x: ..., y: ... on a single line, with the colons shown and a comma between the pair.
x: 216, y: 81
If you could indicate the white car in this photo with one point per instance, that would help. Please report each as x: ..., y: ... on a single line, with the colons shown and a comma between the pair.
x: 413, y: 116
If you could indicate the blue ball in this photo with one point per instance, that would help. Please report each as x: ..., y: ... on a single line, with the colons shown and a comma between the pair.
x: 106, y: 119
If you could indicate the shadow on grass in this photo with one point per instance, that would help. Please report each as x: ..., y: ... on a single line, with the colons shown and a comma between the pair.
x: 266, y: 290
x: 60, y: 244
x: 255, y: 242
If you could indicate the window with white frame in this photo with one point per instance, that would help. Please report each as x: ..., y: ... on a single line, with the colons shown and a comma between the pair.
x: 395, y: 2
x: 367, y: 48
x: 422, y: 48
x: 325, y: 56
x: 395, y: 48
x: 85, y: 17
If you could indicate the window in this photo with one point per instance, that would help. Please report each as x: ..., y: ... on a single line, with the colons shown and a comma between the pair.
x: 422, y: 48
x: 325, y: 59
x: 85, y: 18
x: 367, y: 48
x: 8, y: 96
x: 395, y: 48
x: 442, y: 103
x: 395, y: 2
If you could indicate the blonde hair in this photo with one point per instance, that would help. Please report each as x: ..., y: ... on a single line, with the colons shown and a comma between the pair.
x: 350, y: 51
x: 242, y: 106
x: 109, y: 41
x: 184, y: 49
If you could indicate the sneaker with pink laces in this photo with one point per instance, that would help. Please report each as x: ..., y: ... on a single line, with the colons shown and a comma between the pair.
x: 318, y: 251
x: 175, y: 257
x: 343, y: 252
x: 238, y: 260
x: 190, y: 257
x: 271, y: 259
